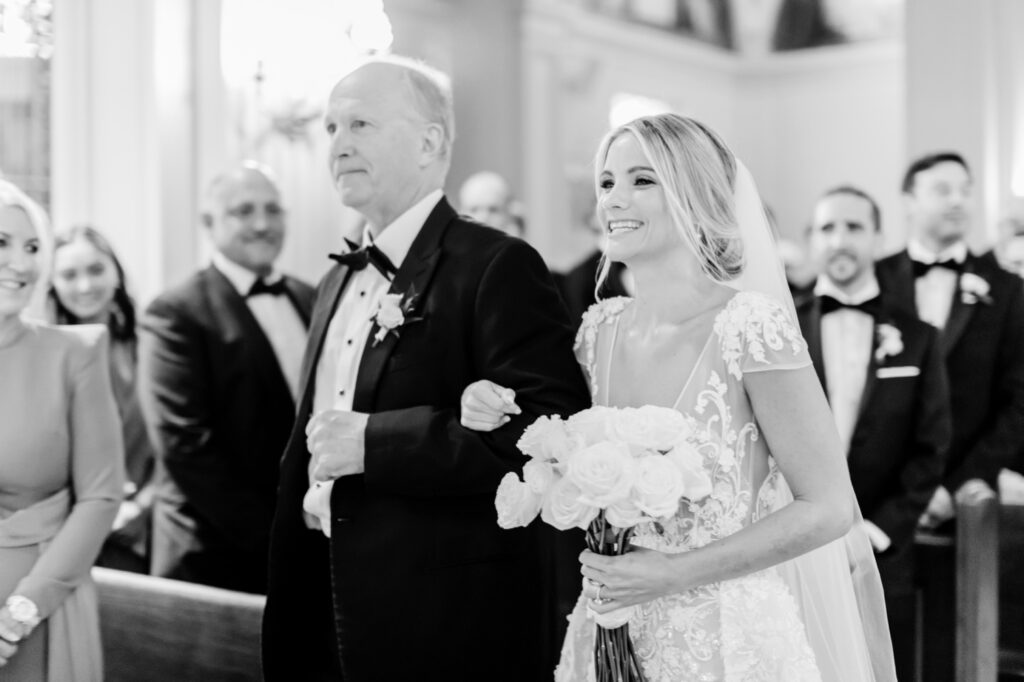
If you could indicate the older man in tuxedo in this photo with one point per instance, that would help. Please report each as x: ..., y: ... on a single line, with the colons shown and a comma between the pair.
x: 219, y: 368
x: 882, y: 372
x: 979, y: 311
x: 406, y: 575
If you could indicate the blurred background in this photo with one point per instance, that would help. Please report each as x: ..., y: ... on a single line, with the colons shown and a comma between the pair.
x: 118, y: 112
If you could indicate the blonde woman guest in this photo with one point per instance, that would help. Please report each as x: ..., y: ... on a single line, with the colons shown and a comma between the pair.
x: 61, y: 468
x: 88, y: 287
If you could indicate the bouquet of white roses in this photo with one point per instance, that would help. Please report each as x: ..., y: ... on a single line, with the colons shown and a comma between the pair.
x: 605, y: 470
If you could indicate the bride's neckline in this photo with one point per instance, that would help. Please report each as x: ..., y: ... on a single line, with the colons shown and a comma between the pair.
x: 613, y: 342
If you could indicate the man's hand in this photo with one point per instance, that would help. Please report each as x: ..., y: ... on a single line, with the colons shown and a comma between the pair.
x: 336, y: 443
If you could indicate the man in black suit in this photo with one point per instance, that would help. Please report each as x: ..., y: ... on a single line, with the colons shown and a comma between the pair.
x: 979, y: 310
x: 406, y: 574
x: 219, y: 366
x: 883, y: 375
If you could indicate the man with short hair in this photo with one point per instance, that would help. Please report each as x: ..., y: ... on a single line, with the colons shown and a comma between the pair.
x: 882, y: 372
x: 979, y: 310
x: 219, y: 363
x: 406, y: 574
x: 486, y: 198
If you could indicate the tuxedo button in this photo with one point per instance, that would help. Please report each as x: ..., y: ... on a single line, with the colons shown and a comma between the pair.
x: 362, y: 293
x: 349, y: 342
x: 341, y: 392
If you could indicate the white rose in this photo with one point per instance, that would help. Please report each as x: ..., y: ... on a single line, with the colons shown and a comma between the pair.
x: 648, y: 428
x: 604, y: 472
x: 516, y: 504
x: 658, y: 486
x: 564, y: 508
x: 689, y: 461
x: 545, y: 438
x: 539, y: 476
x: 624, y: 514
x: 592, y: 423
x: 389, y: 311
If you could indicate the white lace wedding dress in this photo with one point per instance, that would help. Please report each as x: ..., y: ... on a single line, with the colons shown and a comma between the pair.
x: 749, y: 628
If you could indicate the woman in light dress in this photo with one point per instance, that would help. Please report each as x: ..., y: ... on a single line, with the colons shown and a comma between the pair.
x: 61, y: 468
x: 729, y: 588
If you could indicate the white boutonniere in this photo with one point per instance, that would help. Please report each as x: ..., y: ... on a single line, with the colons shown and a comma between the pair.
x: 973, y: 289
x: 890, y: 342
x: 392, y: 313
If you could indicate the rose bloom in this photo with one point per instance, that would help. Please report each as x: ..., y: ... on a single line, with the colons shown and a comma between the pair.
x: 389, y: 314
x: 539, y: 476
x: 564, y: 508
x: 546, y: 438
x: 689, y: 461
x: 658, y: 486
x: 604, y: 472
x: 592, y: 423
x: 648, y: 428
x: 516, y: 504
x: 624, y: 514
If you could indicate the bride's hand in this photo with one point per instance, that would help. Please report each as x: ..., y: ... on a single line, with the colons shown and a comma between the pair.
x: 638, y: 577
x: 486, y: 406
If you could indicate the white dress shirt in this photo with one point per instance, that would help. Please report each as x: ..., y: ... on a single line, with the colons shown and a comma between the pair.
x: 847, y: 337
x: 276, y: 315
x: 934, y: 291
x: 349, y: 329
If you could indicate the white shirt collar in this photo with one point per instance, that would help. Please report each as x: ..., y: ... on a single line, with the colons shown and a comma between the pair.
x: 919, y: 252
x: 241, y: 278
x: 826, y: 287
x: 396, y: 239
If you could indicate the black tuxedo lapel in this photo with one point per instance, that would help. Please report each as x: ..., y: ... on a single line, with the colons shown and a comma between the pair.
x: 871, y: 380
x: 412, y: 280
x: 812, y: 334
x: 231, y: 311
x: 900, y: 289
x: 295, y: 297
x: 960, y: 313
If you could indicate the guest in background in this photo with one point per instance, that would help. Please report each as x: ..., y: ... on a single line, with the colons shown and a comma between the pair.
x: 61, y: 467
x: 219, y: 366
x: 88, y: 287
x: 883, y: 374
x: 486, y: 198
x: 1009, y: 250
x: 979, y: 310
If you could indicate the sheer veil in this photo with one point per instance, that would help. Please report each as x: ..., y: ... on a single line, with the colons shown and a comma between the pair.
x: 837, y: 586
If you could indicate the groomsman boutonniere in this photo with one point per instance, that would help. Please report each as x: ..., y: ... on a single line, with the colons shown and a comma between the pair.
x: 973, y: 289
x: 890, y: 342
x: 392, y: 313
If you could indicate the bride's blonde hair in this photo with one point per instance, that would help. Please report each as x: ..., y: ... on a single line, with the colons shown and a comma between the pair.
x: 697, y: 172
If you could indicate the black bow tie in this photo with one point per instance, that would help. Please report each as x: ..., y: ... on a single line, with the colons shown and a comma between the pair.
x: 872, y: 306
x: 358, y: 258
x: 260, y: 286
x: 921, y: 269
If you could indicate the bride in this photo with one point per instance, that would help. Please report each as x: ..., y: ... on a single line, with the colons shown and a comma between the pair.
x: 764, y: 578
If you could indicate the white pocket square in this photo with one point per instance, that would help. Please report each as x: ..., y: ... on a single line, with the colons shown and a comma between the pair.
x: 897, y: 372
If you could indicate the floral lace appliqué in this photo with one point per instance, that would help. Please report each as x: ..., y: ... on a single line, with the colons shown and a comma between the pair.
x: 752, y: 323
x: 602, y: 312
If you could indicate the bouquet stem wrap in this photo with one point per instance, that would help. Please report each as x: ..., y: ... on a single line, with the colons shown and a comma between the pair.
x: 615, y: 658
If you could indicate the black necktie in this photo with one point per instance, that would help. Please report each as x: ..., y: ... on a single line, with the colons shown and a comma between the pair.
x: 359, y: 258
x: 921, y: 269
x: 830, y: 305
x: 260, y: 286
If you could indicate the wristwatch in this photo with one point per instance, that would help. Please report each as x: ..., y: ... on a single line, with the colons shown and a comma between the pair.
x: 23, y: 610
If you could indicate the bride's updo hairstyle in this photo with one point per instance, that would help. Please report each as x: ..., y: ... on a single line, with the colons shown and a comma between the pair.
x: 697, y: 172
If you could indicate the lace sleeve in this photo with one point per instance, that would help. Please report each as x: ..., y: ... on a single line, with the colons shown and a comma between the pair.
x: 602, y: 312
x: 757, y: 335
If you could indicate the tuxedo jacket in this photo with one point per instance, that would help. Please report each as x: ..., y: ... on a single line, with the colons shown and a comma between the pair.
x: 898, y: 447
x: 417, y: 578
x: 983, y: 348
x: 219, y: 412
